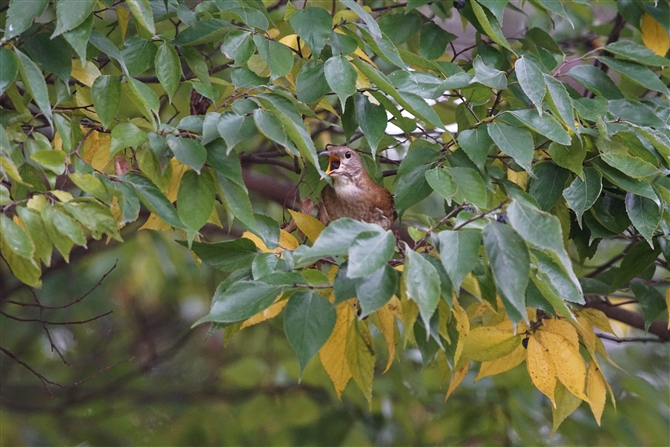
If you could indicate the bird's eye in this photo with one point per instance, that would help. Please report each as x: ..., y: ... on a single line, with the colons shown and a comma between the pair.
x: 347, y: 154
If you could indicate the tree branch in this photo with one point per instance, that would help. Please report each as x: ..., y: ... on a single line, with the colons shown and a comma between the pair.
x: 633, y: 319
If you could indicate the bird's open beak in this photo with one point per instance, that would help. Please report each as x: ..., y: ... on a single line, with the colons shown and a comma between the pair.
x: 333, y: 161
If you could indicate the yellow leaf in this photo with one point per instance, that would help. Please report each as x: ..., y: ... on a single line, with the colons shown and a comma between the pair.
x: 456, y: 379
x: 570, y: 370
x: 654, y: 35
x: 37, y: 202
x: 463, y: 328
x: 122, y: 15
x: 309, y: 225
x: 63, y: 196
x: 291, y: 41
x: 598, y: 318
x: 214, y: 218
x: 596, y: 390
x: 443, y: 313
x: 155, y: 223
x: 324, y: 104
x: 96, y: 150
x: 287, y: 241
x: 86, y: 73
x: 566, y: 404
x: 256, y: 240
x: 267, y: 314
x: 410, y: 312
x: 82, y: 97
x: 471, y: 286
x: 562, y: 328
x: 520, y: 178
x: 502, y: 364
x: 178, y: 170
x: 387, y: 328
x: 486, y: 343
x: 541, y: 368
x: 585, y: 329
x: 333, y: 353
x: 10, y: 168
x: 395, y: 307
x: 361, y: 357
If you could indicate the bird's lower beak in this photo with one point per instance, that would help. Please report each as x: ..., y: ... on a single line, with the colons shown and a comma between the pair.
x: 333, y: 161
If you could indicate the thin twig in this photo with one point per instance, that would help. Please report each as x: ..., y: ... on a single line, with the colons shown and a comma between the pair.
x: 631, y: 339
x: 55, y: 323
x: 480, y: 216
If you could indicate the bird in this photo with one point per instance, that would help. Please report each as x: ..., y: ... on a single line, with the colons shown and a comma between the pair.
x: 353, y: 193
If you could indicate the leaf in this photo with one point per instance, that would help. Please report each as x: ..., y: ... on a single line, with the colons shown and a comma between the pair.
x: 153, y: 198
x: 372, y: 120
x: 566, y: 404
x: 341, y: 77
x: 572, y: 370
x: 515, y: 142
x: 106, y: 97
x: 168, y: 68
x: 188, y: 151
x: 582, y: 194
x: 459, y: 253
x: 370, y: 251
x: 21, y: 14
x: 71, y: 13
x: 487, y: 343
x: 142, y: 13
x: 490, y: 26
x: 15, y: 244
x: 239, y: 46
x: 50, y: 55
x: 497, y: 8
x: 560, y: 281
x: 35, y: 84
x: 361, y: 357
x: 637, y: 73
x: 311, y: 83
x: 313, y: 25
x: 411, y: 188
x: 144, y: 95
x: 476, y: 144
x: 376, y: 289
x: 636, y: 53
x: 235, y: 128
x: 422, y: 283
x: 335, y: 240
x: 654, y: 36
x: 277, y: 55
x: 559, y: 100
x: 309, y: 225
x: 440, y: 180
x: 531, y: 81
x: 78, y: 38
x: 544, y: 125
x: 502, y: 364
x: 387, y: 327
x: 510, y: 263
x: 636, y: 261
x: 203, y: 31
x: 617, y: 155
x: 433, y: 40
x: 195, y: 200
x: 66, y: 225
x: 333, y: 352
x: 228, y: 255
x: 9, y: 68
x: 95, y: 216
x: 126, y: 135
x: 547, y: 188
x: 37, y: 232
x: 242, y: 300
x: 595, y: 80
x: 645, y: 215
x: 309, y: 321
x: 471, y: 187
x: 569, y: 157
x: 652, y: 302
x: 596, y: 390
x: 541, y: 368
x: 488, y: 76
x: 367, y: 18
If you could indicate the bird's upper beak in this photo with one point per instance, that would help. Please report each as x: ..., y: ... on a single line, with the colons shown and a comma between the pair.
x: 333, y: 161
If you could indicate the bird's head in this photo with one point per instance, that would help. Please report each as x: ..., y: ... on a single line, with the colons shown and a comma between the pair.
x: 343, y: 163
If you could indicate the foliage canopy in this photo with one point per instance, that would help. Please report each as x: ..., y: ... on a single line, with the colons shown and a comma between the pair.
x: 514, y: 163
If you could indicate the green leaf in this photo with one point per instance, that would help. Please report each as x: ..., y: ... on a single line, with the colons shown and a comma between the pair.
x: 126, y: 135
x: 636, y: 53
x: 433, y: 41
x: 637, y: 73
x: 411, y: 189
x: 102, y: 43
x: 67, y: 225
x: 235, y: 128
x: 490, y: 25
x: 372, y: 120
x: 242, y: 300
x: 33, y: 79
x: 515, y: 142
x: 376, y: 289
x: 228, y: 255
x: 190, y: 152
x: 639, y: 187
x: 471, y: 187
x: 558, y: 278
x: 93, y: 215
x: 153, y: 199
x: 595, y: 80
x: 196, y: 62
x: 582, y: 194
x: 309, y: 320
x: 195, y: 199
x: 9, y: 68
x: 91, y: 184
x: 617, y: 155
x: 79, y: 36
x: 531, y: 81
x: 636, y: 261
x: 488, y: 76
x: 21, y: 14
x: 17, y: 250
x: 497, y: 8
x: 168, y: 68
x: 313, y: 25
x: 335, y: 240
x: 548, y: 186
x: 139, y: 55
x: 277, y: 55
x: 544, y: 125
x: 272, y: 128
x: 342, y: 44
x: 142, y: 13
x: 106, y: 97
x: 71, y: 13
x: 422, y: 283
x: 645, y: 215
x: 203, y: 31
x: 569, y: 157
x: 559, y: 100
x: 459, y: 253
x: 250, y: 16
x: 51, y: 159
x: 52, y: 55
x: 60, y: 240
x: 369, y: 252
x: 311, y: 83
x: 651, y: 301
x: 239, y: 46
x: 341, y: 77
x: 557, y: 8
x: 510, y: 263
x: 367, y: 18
x: 37, y: 231
x: 440, y: 180
x: 144, y: 95
x: 476, y: 144
x: 400, y: 27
